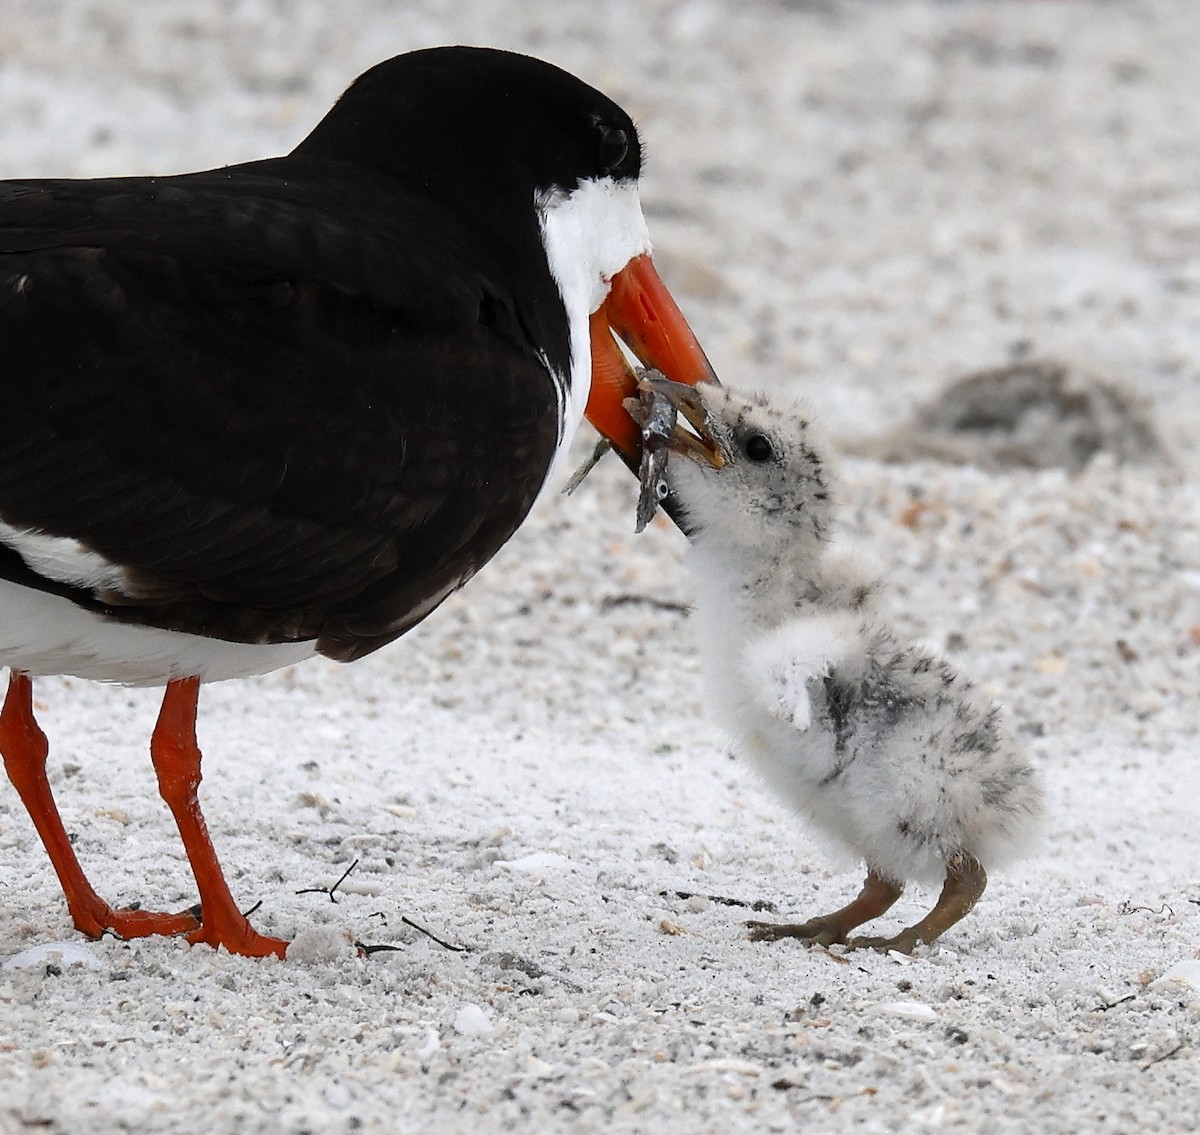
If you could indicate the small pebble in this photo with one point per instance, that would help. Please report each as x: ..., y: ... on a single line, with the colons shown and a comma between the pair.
x: 429, y: 1048
x: 471, y: 1020
x: 320, y: 944
x: 1185, y: 973
x: 908, y: 1010
x: 56, y: 953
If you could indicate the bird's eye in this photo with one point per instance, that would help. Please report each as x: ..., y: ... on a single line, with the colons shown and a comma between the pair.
x: 614, y: 146
x: 758, y: 449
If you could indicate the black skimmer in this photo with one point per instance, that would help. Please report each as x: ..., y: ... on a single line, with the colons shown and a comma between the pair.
x: 285, y: 408
x: 880, y: 743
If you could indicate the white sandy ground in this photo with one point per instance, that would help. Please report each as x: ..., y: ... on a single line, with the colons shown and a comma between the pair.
x: 856, y: 201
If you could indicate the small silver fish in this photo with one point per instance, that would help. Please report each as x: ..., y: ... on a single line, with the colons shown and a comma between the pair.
x: 655, y: 415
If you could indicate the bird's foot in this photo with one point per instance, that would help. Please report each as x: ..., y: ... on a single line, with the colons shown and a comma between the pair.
x: 823, y: 931
x: 903, y: 943
x: 876, y: 896
x: 238, y: 937
x: 96, y: 918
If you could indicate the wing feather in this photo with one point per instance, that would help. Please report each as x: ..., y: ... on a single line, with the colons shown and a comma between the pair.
x: 283, y: 420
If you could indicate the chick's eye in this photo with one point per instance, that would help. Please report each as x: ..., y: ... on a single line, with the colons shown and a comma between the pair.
x: 614, y: 146
x: 758, y: 448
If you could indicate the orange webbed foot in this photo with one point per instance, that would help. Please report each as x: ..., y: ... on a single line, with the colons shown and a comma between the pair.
x: 98, y: 918
x: 238, y: 937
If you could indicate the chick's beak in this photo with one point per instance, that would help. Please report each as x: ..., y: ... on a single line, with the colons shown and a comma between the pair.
x: 698, y: 443
x: 641, y: 312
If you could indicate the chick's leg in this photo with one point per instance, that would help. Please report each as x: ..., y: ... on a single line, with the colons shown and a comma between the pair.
x: 965, y: 882
x: 876, y: 896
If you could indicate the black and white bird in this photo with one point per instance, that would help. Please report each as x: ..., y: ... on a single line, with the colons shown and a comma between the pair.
x: 285, y: 408
x: 879, y: 743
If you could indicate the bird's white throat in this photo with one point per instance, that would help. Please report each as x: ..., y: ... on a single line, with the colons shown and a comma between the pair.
x: 761, y: 583
x: 589, y: 235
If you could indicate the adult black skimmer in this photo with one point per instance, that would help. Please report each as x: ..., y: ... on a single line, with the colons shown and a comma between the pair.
x: 285, y: 408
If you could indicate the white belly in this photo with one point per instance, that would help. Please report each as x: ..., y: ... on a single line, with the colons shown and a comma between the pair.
x: 47, y: 634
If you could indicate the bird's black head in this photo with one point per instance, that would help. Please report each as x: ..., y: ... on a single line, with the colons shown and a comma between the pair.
x: 467, y: 121
x: 531, y: 179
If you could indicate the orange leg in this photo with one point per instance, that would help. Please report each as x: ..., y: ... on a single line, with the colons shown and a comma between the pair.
x: 176, y: 757
x: 24, y: 749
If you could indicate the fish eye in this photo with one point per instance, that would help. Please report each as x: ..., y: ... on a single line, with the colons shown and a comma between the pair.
x: 758, y: 449
x: 614, y: 147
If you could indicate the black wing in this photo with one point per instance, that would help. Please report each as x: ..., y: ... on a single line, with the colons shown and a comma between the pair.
x: 288, y: 404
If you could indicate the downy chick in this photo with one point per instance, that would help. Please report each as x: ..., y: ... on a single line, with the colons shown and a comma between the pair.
x: 877, y: 741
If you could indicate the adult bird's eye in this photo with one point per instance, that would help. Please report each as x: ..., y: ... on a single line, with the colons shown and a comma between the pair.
x: 758, y: 448
x: 614, y: 145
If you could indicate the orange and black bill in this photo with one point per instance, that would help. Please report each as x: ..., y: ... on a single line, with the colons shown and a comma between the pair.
x: 642, y: 314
